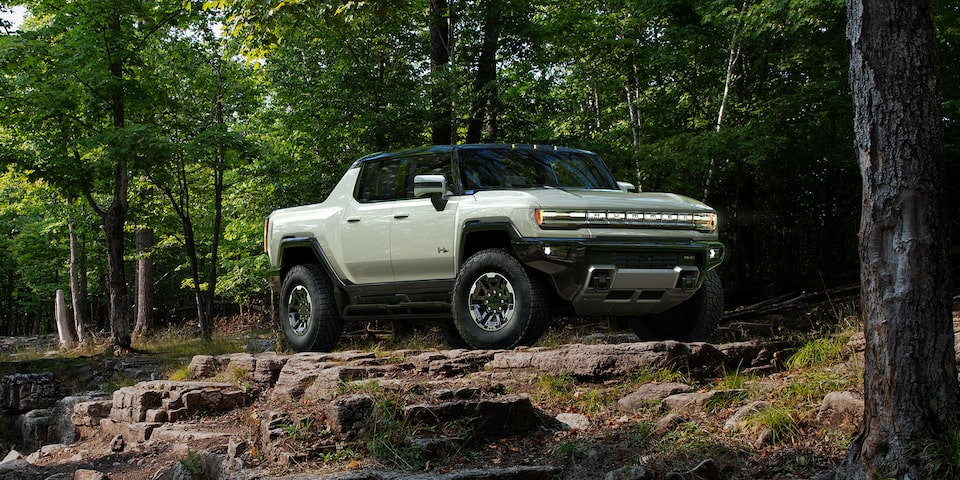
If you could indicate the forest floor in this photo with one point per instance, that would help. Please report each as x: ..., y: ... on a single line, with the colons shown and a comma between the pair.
x: 786, y: 442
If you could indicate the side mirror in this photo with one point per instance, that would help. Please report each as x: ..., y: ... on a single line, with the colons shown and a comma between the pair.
x: 434, y: 186
x: 627, y: 187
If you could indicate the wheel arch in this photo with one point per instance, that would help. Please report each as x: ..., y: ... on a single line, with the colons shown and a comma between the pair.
x: 307, y: 250
x: 484, y: 234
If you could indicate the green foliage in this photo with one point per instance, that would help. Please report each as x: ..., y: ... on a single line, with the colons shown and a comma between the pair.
x: 305, y: 88
x: 191, y: 464
x: 389, y: 440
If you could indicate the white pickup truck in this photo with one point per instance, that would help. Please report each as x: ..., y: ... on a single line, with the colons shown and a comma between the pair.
x: 490, y: 242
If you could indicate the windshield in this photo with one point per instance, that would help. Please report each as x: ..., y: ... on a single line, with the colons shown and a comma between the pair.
x: 492, y: 168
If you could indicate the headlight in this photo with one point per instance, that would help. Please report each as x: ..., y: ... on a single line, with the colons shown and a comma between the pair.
x: 572, y: 219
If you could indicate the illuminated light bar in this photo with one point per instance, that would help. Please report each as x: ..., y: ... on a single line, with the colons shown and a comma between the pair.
x: 572, y: 219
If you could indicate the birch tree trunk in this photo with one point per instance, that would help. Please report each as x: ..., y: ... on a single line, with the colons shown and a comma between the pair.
x: 145, y: 275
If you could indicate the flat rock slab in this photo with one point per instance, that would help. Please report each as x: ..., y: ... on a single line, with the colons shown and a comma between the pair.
x: 603, y: 362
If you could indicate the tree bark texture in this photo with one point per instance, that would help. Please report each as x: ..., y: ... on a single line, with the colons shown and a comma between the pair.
x: 115, y: 215
x: 145, y: 275
x: 483, y: 121
x: 910, y: 379
x: 78, y: 291
x: 440, y: 49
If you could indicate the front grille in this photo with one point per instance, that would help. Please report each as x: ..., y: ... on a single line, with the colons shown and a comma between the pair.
x: 645, y: 260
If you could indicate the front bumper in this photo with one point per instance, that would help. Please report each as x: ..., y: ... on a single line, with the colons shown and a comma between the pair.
x: 621, y: 278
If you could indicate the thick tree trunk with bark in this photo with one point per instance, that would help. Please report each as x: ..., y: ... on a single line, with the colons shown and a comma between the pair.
x: 113, y: 221
x: 911, y: 392
x: 115, y: 215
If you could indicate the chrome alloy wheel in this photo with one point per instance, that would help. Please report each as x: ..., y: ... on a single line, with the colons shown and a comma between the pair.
x: 300, y: 306
x: 492, y: 301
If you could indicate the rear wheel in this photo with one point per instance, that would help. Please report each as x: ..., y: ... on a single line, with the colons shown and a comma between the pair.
x: 692, y: 321
x: 497, y: 303
x: 308, y: 311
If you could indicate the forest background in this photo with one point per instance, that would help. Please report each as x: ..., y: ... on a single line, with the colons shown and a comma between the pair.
x: 209, y: 115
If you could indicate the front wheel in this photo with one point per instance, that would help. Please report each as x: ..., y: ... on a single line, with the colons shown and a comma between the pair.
x: 692, y: 321
x: 497, y: 303
x: 308, y: 311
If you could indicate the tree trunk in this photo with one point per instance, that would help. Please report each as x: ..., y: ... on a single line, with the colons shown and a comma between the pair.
x: 440, y: 49
x: 65, y: 330
x: 483, y: 124
x: 146, y: 294
x: 912, y: 399
x: 115, y: 216
x: 220, y: 165
x: 38, y: 318
x: 731, y: 63
x: 116, y: 278
x: 78, y: 294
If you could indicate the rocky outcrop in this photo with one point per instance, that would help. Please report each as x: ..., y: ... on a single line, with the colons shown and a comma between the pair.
x: 136, y: 411
x: 439, y: 404
x: 489, y: 418
x: 22, y: 392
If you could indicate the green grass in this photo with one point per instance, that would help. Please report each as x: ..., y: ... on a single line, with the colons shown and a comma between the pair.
x: 942, y: 458
x: 563, y: 392
x: 780, y: 421
x: 820, y: 352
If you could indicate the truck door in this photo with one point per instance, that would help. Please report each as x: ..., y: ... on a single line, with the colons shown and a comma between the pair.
x: 365, y: 231
x: 422, y: 239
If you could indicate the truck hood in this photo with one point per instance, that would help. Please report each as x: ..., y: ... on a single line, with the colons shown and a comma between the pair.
x: 558, y: 198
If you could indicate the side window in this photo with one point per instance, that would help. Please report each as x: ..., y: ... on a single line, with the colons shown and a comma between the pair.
x: 380, y: 181
x: 427, y: 165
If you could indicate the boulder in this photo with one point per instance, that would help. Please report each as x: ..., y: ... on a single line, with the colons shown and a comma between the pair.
x: 840, y: 411
x: 351, y: 416
x: 573, y: 421
x: 736, y: 421
x: 84, y: 474
x: 492, y: 418
x: 666, y: 424
x: 302, y: 370
x: 19, y: 469
x: 629, y: 473
x: 651, y: 393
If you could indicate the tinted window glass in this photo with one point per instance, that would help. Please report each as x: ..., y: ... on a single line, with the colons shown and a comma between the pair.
x: 509, y: 168
x: 392, y: 178
x: 427, y: 165
x: 379, y: 180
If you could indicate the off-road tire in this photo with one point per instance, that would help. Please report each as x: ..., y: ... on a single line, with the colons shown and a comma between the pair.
x: 308, y: 310
x: 695, y: 320
x: 453, y: 338
x: 497, y: 303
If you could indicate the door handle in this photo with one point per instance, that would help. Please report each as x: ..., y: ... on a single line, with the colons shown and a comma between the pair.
x: 353, y: 219
x: 401, y: 215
